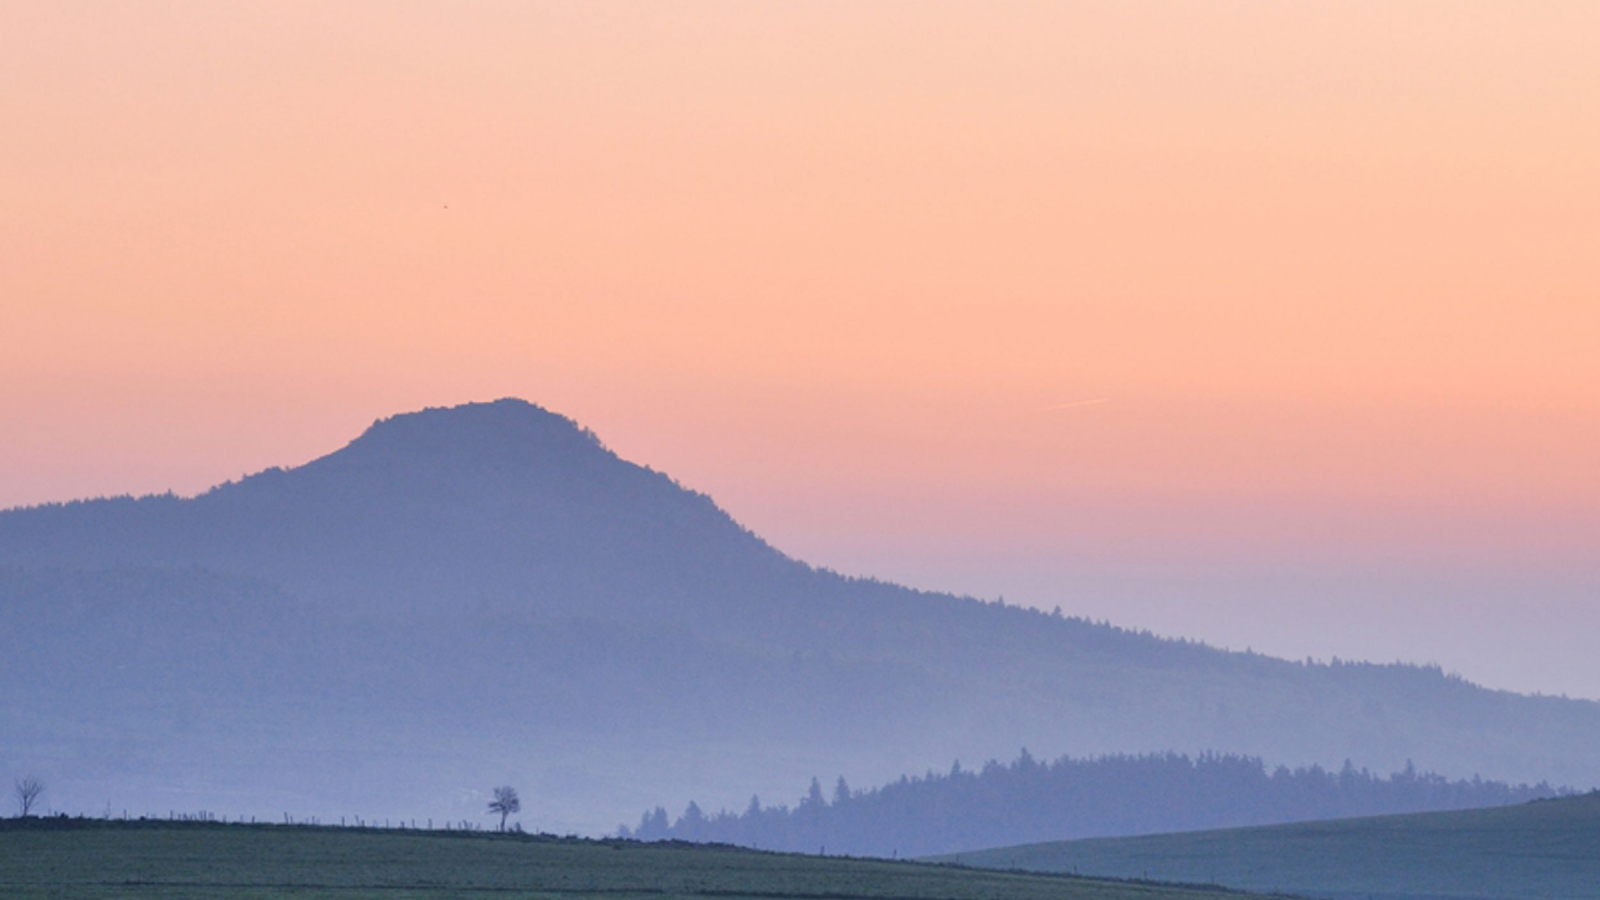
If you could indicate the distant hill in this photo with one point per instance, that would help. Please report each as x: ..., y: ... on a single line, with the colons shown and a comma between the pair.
x: 468, y: 595
x: 1073, y: 798
x: 91, y: 860
x: 1544, y: 850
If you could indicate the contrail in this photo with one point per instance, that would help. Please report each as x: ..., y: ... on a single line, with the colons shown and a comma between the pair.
x: 1076, y: 403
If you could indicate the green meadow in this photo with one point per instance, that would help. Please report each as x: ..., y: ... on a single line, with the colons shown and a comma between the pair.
x: 89, y: 860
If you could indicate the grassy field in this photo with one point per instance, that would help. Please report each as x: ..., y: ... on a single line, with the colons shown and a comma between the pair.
x: 88, y: 859
x: 1546, y: 850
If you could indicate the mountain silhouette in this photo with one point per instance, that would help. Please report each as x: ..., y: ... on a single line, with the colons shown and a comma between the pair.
x: 464, y: 594
x: 499, y: 503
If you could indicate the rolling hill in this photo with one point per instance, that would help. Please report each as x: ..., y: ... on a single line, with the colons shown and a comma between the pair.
x: 486, y: 593
x: 1544, y: 850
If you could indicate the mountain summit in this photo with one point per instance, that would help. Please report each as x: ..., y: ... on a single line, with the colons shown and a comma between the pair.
x: 485, y: 589
x: 502, y: 433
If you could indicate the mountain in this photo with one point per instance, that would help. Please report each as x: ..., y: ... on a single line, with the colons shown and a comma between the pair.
x: 468, y: 595
x: 502, y: 504
x: 1544, y: 850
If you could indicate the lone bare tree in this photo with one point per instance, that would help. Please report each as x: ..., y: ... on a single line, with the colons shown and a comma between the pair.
x: 505, y: 803
x: 28, y: 791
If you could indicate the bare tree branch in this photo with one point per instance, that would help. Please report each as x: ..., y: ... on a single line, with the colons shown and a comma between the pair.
x: 28, y: 791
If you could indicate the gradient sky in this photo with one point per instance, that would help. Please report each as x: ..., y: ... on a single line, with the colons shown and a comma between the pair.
x: 1333, y: 268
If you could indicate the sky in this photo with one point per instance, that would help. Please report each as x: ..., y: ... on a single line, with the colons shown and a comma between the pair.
x: 1273, y: 324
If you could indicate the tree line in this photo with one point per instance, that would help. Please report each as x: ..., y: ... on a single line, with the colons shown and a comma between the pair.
x: 1029, y: 801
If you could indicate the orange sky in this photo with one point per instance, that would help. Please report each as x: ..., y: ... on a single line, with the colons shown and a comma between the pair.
x: 1336, y: 265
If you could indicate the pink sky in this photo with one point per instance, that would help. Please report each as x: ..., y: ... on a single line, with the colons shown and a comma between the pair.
x: 1332, y: 264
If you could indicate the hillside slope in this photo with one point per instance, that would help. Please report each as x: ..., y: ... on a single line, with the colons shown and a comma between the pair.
x: 1545, y: 850
x: 92, y: 860
x: 482, y: 592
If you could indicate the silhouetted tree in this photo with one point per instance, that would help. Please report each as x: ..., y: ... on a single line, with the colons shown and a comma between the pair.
x: 28, y: 791
x: 505, y: 803
x: 692, y: 824
x: 813, y: 798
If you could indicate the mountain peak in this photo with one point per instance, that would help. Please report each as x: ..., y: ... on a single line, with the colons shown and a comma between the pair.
x: 504, y: 428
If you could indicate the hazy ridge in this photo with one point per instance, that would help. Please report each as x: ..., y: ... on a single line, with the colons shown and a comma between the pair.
x: 1067, y: 798
x: 469, y: 595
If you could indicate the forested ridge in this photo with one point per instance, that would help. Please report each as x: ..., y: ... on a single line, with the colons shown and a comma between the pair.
x: 1028, y: 801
